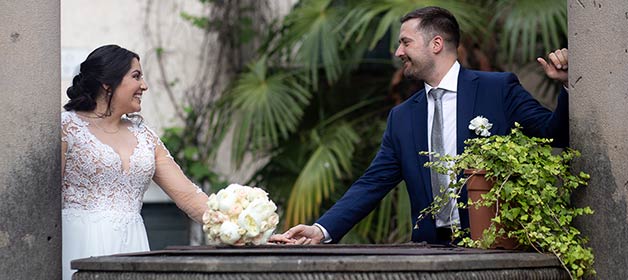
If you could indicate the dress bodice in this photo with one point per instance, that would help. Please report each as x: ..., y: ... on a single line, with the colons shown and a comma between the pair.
x: 102, y: 197
x: 94, y: 177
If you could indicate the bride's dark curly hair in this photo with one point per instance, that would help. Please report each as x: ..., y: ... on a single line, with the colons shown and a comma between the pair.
x: 106, y: 65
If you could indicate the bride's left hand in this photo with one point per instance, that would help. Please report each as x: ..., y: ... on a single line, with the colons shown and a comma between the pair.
x: 277, y: 239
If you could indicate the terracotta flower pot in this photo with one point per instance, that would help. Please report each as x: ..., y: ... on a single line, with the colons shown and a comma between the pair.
x: 480, y: 218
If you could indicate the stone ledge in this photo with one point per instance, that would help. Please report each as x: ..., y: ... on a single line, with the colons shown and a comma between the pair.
x: 322, y: 262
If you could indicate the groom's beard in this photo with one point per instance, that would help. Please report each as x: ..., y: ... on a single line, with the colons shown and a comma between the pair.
x: 415, y: 70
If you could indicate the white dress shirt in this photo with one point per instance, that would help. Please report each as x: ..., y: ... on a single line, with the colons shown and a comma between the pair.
x: 450, y: 84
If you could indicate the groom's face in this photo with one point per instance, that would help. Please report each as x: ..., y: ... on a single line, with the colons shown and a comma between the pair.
x: 414, y: 51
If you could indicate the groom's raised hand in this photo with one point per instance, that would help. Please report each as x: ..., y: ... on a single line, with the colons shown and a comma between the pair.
x: 556, y: 67
x: 299, y: 235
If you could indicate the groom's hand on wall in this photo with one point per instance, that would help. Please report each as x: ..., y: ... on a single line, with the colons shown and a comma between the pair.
x: 556, y: 67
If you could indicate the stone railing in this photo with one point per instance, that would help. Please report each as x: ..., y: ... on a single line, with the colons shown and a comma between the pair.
x: 411, y: 261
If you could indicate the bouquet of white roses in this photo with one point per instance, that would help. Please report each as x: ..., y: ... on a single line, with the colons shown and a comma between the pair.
x: 239, y: 215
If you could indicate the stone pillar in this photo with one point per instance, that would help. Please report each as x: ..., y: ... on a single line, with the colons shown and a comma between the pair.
x: 30, y: 215
x: 598, y: 60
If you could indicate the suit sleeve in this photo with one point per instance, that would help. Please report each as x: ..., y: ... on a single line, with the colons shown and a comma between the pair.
x: 537, y: 120
x: 364, y: 195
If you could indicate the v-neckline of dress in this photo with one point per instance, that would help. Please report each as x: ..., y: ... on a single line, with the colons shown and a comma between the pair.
x: 97, y: 141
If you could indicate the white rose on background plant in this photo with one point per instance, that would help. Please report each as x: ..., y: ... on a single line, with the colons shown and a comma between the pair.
x: 481, y: 126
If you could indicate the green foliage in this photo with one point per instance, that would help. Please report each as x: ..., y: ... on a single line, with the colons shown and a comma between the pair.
x: 183, y: 144
x: 522, y: 24
x: 269, y: 107
x: 387, y: 224
x: 329, y: 160
x: 201, y: 22
x: 313, y: 31
x: 531, y: 194
x: 372, y: 20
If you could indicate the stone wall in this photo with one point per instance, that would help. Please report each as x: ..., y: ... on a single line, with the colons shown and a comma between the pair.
x: 598, y: 54
x: 30, y: 229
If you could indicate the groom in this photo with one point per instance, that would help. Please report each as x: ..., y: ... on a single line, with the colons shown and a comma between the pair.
x: 428, y: 42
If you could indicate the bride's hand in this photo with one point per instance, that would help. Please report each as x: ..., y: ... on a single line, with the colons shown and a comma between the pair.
x: 280, y: 239
x: 298, y: 235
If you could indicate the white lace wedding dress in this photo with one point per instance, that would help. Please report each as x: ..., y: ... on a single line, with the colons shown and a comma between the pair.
x: 102, y: 201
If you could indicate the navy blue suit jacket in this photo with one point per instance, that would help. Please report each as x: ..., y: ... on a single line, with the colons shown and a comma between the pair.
x: 497, y: 96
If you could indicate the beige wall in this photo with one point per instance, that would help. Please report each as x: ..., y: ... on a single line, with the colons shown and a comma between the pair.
x: 30, y: 189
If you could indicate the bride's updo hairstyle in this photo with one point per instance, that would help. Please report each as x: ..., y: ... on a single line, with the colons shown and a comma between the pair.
x: 106, y: 65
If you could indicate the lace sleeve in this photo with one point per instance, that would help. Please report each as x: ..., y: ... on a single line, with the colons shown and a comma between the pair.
x: 169, y: 176
x: 68, y: 128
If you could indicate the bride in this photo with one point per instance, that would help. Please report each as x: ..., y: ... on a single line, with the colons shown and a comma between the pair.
x: 108, y: 159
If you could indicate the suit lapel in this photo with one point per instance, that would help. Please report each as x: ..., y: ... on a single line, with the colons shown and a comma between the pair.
x: 465, y: 104
x: 419, y: 133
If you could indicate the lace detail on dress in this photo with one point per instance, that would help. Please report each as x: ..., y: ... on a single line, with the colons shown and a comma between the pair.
x: 94, y: 178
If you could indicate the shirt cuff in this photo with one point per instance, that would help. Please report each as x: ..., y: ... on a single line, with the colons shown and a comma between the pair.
x: 327, y: 237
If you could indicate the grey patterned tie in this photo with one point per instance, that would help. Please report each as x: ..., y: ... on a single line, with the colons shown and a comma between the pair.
x: 438, y: 146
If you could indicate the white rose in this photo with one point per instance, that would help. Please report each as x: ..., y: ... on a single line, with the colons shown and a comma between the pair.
x: 214, y: 217
x: 215, y: 230
x: 481, y: 126
x: 229, y: 233
x: 262, y: 208
x: 240, y: 195
x: 227, y: 203
x: 272, y: 221
x: 213, y: 233
x: 212, y: 202
x: 249, y: 223
x: 233, y: 188
x: 266, y: 235
x: 256, y: 193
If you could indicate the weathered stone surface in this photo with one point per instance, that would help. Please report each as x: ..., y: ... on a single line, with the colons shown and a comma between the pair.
x: 537, y: 274
x: 30, y: 216
x: 598, y: 65
x: 323, y: 262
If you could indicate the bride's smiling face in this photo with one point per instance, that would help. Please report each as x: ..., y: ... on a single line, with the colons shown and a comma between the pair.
x: 127, y: 97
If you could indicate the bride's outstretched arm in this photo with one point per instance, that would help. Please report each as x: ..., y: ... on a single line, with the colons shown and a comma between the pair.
x: 169, y: 176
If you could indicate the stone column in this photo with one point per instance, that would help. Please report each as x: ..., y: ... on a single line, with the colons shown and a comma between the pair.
x: 598, y: 59
x: 30, y: 215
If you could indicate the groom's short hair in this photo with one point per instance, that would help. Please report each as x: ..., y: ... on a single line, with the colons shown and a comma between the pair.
x: 436, y: 21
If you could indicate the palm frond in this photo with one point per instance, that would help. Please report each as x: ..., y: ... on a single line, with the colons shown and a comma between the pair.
x: 388, y: 223
x: 525, y: 22
x: 311, y: 37
x: 384, y: 15
x: 329, y: 161
x: 268, y: 107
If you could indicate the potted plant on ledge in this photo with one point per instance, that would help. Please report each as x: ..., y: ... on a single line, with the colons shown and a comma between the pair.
x: 530, y: 194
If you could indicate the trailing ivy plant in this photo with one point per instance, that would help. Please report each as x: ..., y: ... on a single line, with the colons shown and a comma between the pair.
x: 531, y: 194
